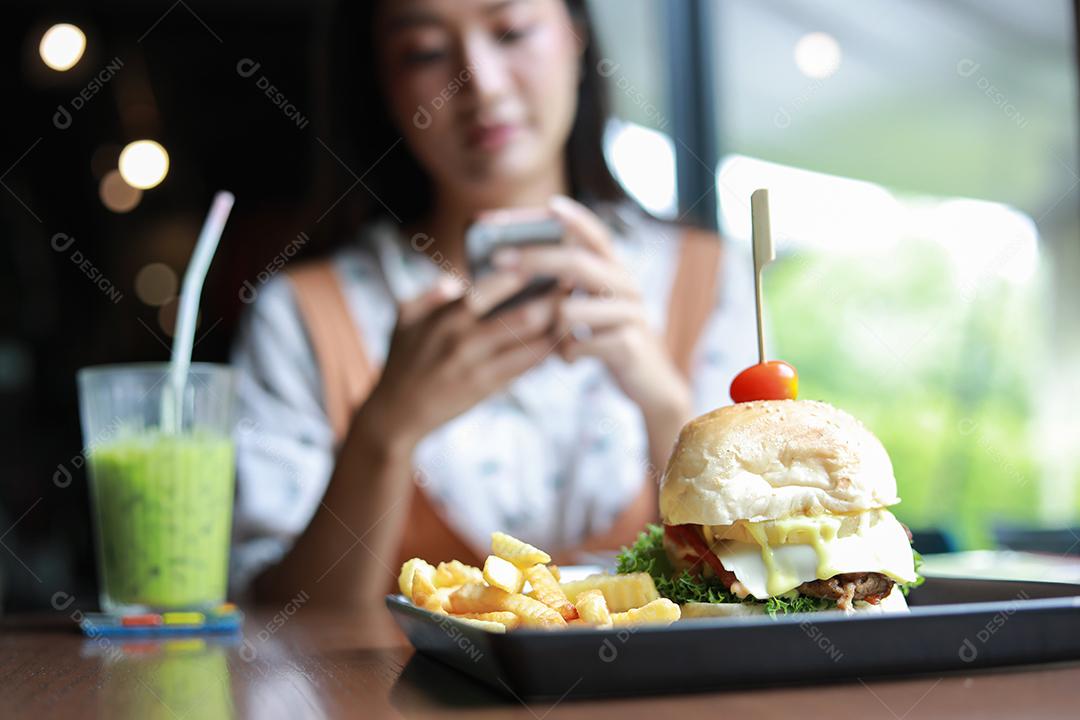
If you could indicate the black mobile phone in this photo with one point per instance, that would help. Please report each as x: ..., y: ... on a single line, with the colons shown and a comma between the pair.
x: 484, y: 238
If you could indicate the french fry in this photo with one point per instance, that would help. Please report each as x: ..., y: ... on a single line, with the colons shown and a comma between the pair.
x: 622, y: 592
x: 517, y: 552
x: 444, y: 593
x: 534, y: 613
x: 408, y: 568
x: 503, y: 574
x: 482, y: 599
x: 493, y: 599
x: 489, y: 625
x: 505, y: 618
x: 593, y: 609
x: 474, y: 598
x: 456, y: 572
x: 545, y: 588
x: 425, y: 596
x: 658, y: 612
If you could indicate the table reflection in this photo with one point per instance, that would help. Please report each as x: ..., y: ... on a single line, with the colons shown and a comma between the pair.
x: 182, y: 678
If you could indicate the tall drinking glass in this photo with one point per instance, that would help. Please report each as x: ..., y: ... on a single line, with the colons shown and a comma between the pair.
x: 162, y: 500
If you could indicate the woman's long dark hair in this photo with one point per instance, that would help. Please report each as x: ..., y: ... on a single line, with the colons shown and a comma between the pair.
x: 361, y: 131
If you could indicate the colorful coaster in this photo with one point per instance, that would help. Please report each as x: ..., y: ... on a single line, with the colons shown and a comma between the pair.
x: 225, y: 618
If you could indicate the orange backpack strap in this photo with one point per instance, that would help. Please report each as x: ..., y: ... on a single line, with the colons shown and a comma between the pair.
x: 693, y: 293
x: 348, y: 375
x: 344, y: 366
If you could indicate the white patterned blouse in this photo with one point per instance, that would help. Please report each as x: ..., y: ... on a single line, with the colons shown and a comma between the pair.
x: 553, y: 459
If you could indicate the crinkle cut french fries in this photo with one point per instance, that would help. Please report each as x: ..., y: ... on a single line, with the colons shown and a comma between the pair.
x: 503, y: 574
x: 621, y: 592
x: 519, y: 587
x: 545, y: 588
x: 661, y: 611
x: 484, y: 598
x: 593, y: 609
x: 456, y: 572
x: 519, y: 553
x: 405, y: 578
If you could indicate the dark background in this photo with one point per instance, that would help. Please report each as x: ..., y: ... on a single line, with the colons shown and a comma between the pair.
x: 179, y: 85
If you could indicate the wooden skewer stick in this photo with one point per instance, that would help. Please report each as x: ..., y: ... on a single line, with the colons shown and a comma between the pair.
x: 764, y: 253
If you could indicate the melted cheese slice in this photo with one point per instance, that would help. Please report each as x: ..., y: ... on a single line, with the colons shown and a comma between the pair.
x: 787, y: 553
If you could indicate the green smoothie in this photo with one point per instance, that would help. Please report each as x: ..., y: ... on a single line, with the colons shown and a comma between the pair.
x: 164, y: 513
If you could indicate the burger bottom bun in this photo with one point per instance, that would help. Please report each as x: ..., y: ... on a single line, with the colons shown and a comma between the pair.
x: 894, y: 602
x: 695, y: 610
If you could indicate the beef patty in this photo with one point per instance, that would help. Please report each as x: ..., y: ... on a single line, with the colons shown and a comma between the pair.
x: 871, y: 587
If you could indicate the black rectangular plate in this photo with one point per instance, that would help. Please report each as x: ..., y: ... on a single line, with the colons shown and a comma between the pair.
x: 954, y: 624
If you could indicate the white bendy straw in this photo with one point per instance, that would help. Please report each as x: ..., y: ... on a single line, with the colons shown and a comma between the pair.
x: 184, y: 337
x: 764, y: 253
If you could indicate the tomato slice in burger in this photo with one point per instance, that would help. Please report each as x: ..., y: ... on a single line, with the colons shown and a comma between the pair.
x: 688, y: 535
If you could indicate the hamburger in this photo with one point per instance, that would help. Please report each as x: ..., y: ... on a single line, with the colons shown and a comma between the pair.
x: 777, y: 506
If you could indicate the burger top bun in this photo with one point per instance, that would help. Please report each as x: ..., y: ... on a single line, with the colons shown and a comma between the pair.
x: 771, y: 459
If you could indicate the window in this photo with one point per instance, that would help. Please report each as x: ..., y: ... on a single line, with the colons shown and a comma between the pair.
x: 922, y: 166
x: 922, y: 163
x: 633, y: 54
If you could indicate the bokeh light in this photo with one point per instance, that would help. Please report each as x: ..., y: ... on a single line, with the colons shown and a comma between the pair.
x: 156, y: 284
x: 144, y: 164
x: 116, y: 194
x: 62, y: 46
x: 817, y: 55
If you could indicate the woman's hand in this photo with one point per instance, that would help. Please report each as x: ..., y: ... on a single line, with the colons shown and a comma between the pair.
x: 445, y: 358
x: 604, y: 317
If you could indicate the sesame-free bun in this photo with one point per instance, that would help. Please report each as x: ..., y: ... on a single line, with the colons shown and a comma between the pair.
x: 772, y: 459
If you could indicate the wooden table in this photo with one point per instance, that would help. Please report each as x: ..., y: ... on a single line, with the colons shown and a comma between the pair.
x: 317, y: 664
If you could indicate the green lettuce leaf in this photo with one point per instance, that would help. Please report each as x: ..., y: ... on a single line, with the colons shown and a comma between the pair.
x: 919, y: 579
x: 647, y: 555
x: 793, y: 602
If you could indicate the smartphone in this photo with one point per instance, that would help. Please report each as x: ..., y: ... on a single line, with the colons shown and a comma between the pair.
x: 518, y: 229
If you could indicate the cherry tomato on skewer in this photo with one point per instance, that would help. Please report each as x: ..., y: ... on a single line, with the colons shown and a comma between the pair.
x: 772, y: 380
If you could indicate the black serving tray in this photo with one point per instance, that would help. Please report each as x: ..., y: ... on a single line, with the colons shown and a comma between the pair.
x: 954, y: 625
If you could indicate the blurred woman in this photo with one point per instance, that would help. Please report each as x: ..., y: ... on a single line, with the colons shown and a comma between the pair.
x: 385, y: 414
